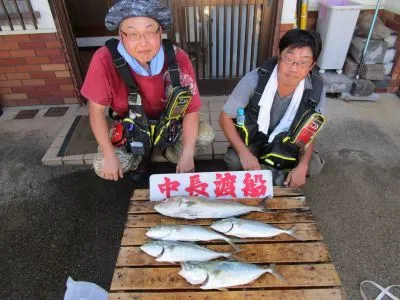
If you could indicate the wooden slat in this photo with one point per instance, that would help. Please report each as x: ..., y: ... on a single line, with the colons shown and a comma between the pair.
x: 317, y: 275
x: 144, y: 194
x: 304, y: 294
x: 252, y: 253
x: 147, y: 220
x: 305, y: 231
x: 140, y: 207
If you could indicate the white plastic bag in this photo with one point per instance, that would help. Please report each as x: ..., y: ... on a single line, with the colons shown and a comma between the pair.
x: 82, y: 290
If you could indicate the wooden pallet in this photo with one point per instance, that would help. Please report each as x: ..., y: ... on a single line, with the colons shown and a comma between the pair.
x: 304, y: 263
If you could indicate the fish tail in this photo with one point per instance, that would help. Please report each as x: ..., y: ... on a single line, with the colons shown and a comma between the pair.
x: 234, y: 246
x: 273, y: 271
x: 292, y: 232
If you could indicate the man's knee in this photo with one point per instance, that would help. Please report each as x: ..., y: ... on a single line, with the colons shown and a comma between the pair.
x: 316, y: 164
x: 206, y: 134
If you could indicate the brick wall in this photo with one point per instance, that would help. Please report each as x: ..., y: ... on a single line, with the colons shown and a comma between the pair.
x: 34, y: 70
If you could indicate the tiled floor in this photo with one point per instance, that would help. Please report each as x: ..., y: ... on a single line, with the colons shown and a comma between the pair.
x: 211, y: 108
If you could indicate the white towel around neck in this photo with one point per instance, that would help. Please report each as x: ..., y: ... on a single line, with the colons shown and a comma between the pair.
x: 265, y: 104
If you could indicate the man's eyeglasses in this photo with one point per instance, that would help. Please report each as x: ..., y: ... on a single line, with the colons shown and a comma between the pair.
x: 134, y: 36
x: 290, y: 62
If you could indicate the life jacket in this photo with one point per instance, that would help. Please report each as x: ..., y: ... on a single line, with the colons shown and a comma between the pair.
x: 136, y: 131
x: 283, y: 152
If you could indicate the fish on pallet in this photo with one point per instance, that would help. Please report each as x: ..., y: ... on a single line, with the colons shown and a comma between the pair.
x: 186, y: 233
x: 172, y: 251
x: 191, y: 207
x: 250, y: 229
x: 223, y: 274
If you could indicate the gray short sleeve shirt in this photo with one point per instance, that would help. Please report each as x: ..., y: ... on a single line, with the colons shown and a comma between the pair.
x: 244, y: 90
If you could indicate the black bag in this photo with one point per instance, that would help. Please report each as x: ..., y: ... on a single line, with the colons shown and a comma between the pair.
x: 280, y: 154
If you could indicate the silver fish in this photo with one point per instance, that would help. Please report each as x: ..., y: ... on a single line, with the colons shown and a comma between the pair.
x: 187, y: 233
x: 189, y: 207
x: 249, y: 229
x: 222, y: 274
x: 180, y: 251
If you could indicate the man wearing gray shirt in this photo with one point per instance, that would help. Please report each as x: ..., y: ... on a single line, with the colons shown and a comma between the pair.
x: 290, y: 85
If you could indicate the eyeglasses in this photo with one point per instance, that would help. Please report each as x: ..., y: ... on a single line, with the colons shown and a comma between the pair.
x: 290, y: 62
x: 134, y: 37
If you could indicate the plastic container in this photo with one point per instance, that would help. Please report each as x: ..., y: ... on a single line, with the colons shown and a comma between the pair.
x: 240, y: 118
x: 336, y: 23
x: 82, y: 290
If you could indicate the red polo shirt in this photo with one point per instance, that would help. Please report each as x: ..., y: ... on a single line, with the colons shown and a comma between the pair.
x: 104, y: 85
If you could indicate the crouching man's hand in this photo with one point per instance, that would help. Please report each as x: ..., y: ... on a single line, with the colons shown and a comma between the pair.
x: 296, y: 177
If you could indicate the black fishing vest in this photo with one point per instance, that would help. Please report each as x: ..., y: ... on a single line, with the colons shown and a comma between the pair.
x: 309, y: 101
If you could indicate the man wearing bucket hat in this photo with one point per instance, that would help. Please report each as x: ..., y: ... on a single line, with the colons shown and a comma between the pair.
x: 140, y: 24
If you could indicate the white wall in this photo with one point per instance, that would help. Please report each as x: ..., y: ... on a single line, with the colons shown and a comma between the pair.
x: 45, y: 23
x: 289, y: 7
x: 393, y: 5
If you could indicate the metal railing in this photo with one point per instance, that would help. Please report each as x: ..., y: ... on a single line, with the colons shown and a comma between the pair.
x: 17, y: 13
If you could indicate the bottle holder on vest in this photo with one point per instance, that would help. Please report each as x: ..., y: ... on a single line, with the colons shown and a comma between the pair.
x: 284, y: 151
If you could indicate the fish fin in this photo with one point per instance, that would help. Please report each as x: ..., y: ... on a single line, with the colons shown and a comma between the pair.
x: 292, y: 232
x: 273, y: 271
x: 234, y: 246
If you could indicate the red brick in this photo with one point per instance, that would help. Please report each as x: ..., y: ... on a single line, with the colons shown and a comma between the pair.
x: 22, y: 53
x: 3, y: 77
x: 10, y: 83
x: 4, y: 54
x: 33, y: 82
x: 7, y: 103
x: 63, y: 74
x: 23, y: 89
x: 37, y: 94
x: 28, y: 68
x: 47, y: 52
x: 37, y: 60
x: 67, y: 87
x: 8, y: 69
x: 5, y: 91
x: 397, y: 18
x: 42, y: 75
x: 54, y: 67
x: 48, y: 87
x: 57, y: 59
x: 53, y: 44
x: 31, y: 45
x: 28, y: 102
x: 59, y: 81
x: 44, y: 37
x: 50, y: 101
x: 11, y: 61
x: 16, y: 38
x: 12, y: 76
x: 9, y: 46
x: 63, y: 94
x: 15, y: 96
x: 70, y: 100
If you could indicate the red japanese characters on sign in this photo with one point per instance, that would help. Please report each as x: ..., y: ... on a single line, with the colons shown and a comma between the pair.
x: 223, y: 185
x: 196, y: 187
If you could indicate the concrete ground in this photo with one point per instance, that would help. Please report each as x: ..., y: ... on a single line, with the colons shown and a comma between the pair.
x: 63, y: 221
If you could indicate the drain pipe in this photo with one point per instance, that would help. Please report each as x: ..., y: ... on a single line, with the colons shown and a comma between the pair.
x: 303, y: 14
